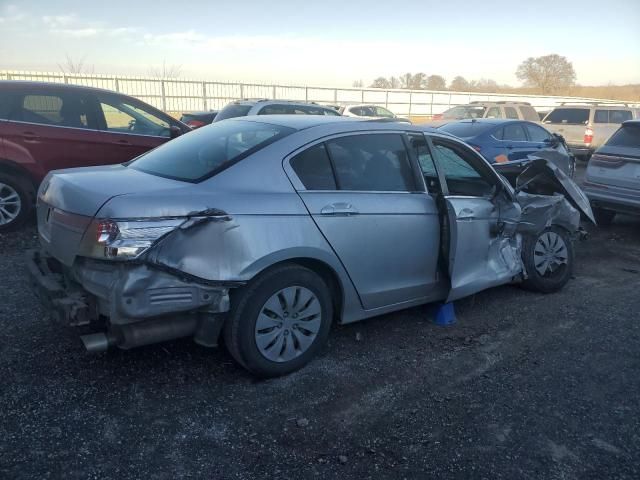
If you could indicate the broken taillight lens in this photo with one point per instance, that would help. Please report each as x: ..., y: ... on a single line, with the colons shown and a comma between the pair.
x: 588, y: 136
x: 106, y: 231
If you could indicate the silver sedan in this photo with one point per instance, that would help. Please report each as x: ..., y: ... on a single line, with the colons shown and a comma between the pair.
x: 266, y: 230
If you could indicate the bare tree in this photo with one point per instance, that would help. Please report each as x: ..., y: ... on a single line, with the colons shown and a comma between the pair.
x: 70, y: 65
x: 415, y: 81
x: 165, y: 71
x: 487, y: 85
x: 382, y: 82
x: 459, y: 84
x: 436, y: 82
x: 358, y: 84
x: 550, y: 73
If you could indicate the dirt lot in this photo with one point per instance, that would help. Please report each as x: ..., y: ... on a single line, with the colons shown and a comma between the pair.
x: 523, y: 386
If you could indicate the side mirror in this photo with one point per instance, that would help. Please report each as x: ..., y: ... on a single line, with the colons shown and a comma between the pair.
x: 174, y: 131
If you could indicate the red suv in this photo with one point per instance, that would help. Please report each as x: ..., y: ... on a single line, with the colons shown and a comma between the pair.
x: 45, y: 126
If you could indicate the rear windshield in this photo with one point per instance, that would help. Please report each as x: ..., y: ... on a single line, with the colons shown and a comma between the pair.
x: 570, y: 116
x: 529, y: 113
x: 464, y: 112
x: 626, y: 136
x: 233, y: 110
x: 466, y: 129
x: 198, y: 155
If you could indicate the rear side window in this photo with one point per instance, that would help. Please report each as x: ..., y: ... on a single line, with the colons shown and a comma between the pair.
x: 233, y: 111
x: 529, y: 113
x: 626, y: 136
x: 493, y: 112
x: 611, y: 116
x: 276, y: 110
x: 206, y: 151
x: 570, y: 116
x: 372, y: 162
x: 510, y: 112
x: 514, y: 132
x: 464, y: 112
x: 313, y: 168
x: 51, y: 109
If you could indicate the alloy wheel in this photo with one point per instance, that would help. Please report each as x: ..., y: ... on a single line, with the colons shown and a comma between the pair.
x: 10, y: 204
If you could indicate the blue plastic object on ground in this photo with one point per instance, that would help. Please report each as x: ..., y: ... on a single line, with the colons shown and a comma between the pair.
x: 445, y: 315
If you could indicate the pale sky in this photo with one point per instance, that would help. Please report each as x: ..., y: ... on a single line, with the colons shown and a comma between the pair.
x: 325, y: 42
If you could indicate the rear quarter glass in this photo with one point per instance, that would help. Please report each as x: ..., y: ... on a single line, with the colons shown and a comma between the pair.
x: 626, y: 136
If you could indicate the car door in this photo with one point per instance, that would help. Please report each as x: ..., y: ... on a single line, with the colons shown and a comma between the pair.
x: 513, y: 142
x: 482, y: 250
x: 128, y: 128
x: 51, y: 128
x: 365, y: 197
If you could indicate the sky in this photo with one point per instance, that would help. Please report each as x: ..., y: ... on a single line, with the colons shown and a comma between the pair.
x: 332, y: 43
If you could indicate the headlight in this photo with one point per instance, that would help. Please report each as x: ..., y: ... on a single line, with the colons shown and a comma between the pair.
x: 125, y: 240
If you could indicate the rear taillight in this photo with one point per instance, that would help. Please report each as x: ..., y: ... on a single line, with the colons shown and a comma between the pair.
x: 588, y: 136
x: 437, y: 116
x: 195, y: 123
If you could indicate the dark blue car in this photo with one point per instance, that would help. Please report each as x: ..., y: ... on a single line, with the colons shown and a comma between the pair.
x: 501, y: 141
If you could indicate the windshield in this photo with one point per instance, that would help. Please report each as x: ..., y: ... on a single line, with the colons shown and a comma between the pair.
x: 464, y: 112
x: 570, y: 116
x: 200, y: 154
x: 233, y: 110
x: 466, y: 129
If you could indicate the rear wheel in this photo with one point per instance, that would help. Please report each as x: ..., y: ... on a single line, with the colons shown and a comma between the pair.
x: 603, y: 217
x: 280, y: 321
x: 548, y: 259
x: 15, y: 202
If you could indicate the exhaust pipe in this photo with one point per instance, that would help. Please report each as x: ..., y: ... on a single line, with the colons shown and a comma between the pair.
x: 97, y: 342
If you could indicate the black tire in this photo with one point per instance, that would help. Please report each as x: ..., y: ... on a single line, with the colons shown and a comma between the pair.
x: 551, y: 281
x: 603, y: 217
x: 246, y: 303
x: 21, y: 187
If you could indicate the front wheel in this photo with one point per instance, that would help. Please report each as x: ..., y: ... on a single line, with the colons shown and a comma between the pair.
x: 280, y: 321
x: 548, y: 259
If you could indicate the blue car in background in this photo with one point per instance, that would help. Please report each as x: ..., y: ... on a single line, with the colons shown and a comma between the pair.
x: 512, y: 141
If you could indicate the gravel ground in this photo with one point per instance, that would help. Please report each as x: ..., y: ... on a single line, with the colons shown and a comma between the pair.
x: 524, y: 385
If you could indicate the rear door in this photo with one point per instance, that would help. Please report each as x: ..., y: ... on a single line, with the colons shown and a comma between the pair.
x: 51, y: 128
x: 128, y: 128
x: 482, y: 250
x: 514, y: 141
x: 365, y: 197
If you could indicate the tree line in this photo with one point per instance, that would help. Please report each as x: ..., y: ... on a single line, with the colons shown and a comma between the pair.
x: 549, y: 74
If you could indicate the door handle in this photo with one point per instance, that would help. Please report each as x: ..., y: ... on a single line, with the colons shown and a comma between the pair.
x: 340, y: 209
x: 122, y: 143
x: 30, y: 136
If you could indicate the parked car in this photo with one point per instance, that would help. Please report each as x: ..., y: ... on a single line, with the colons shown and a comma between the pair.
x: 511, y: 110
x: 198, y: 119
x: 612, y: 180
x: 369, y: 112
x: 586, y: 126
x: 46, y: 126
x: 269, y: 228
x: 242, y: 108
x: 501, y: 141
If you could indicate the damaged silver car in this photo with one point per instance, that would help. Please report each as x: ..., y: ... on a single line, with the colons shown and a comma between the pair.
x: 264, y: 231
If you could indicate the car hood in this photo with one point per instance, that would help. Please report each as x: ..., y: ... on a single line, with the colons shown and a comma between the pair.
x: 550, y: 177
x: 83, y: 191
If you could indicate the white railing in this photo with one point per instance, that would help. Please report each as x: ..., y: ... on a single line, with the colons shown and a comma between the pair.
x: 181, y: 95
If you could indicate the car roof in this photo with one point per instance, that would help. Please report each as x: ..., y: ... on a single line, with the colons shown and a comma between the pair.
x: 634, y: 123
x: 490, y: 121
x: 70, y: 86
x: 267, y: 101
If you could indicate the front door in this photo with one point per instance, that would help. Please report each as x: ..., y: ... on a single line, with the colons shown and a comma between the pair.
x: 482, y: 249
x: 363, y: 195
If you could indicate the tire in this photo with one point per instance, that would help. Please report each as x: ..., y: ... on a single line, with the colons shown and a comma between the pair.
x: 15, y: 202
x: 274, y: 326
x: 552, y: 275
x: 603, y: 217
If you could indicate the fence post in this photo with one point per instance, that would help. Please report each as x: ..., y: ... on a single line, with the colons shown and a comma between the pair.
x: 242, y: 91
x: 274, y: 92
x: 410, y: 100
x: 64, y: 78
x: 431, y: 106
x: 164, y: 98
x: 117, y: 84
x: 204, y: 95
x: 306, y: 94
x: 335, y: 95
x: 361, y: 96
x: 386, y: 99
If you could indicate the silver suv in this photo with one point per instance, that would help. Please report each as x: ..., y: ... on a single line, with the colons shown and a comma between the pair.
x: 242, y: 108
x: 502, y: 109
x: 587, y: 125
x: 269, y: 228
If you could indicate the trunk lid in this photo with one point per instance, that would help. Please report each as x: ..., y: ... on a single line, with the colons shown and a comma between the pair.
x: 615, y: 166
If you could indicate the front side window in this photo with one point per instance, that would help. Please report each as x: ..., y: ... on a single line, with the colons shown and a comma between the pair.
x: 383, y: 112
x: 462, y: 112
x: 371, y: 162
x: 233, y: 110
x: 510, y: 112
x: 205, y: 151
x: 52, y: 109
x: 537, y: 134
x: 418, y: 143
x: 313, y: 168
x: 462, y: 177
x: 514, y: 132
x: 123, y: 116
x: 276, y: 110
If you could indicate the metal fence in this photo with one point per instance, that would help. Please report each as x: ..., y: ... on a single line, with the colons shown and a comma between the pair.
x: 181, y: 95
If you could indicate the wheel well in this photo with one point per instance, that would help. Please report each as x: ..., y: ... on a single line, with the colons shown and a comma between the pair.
x: 19, y: 172
x: 328, y: 275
